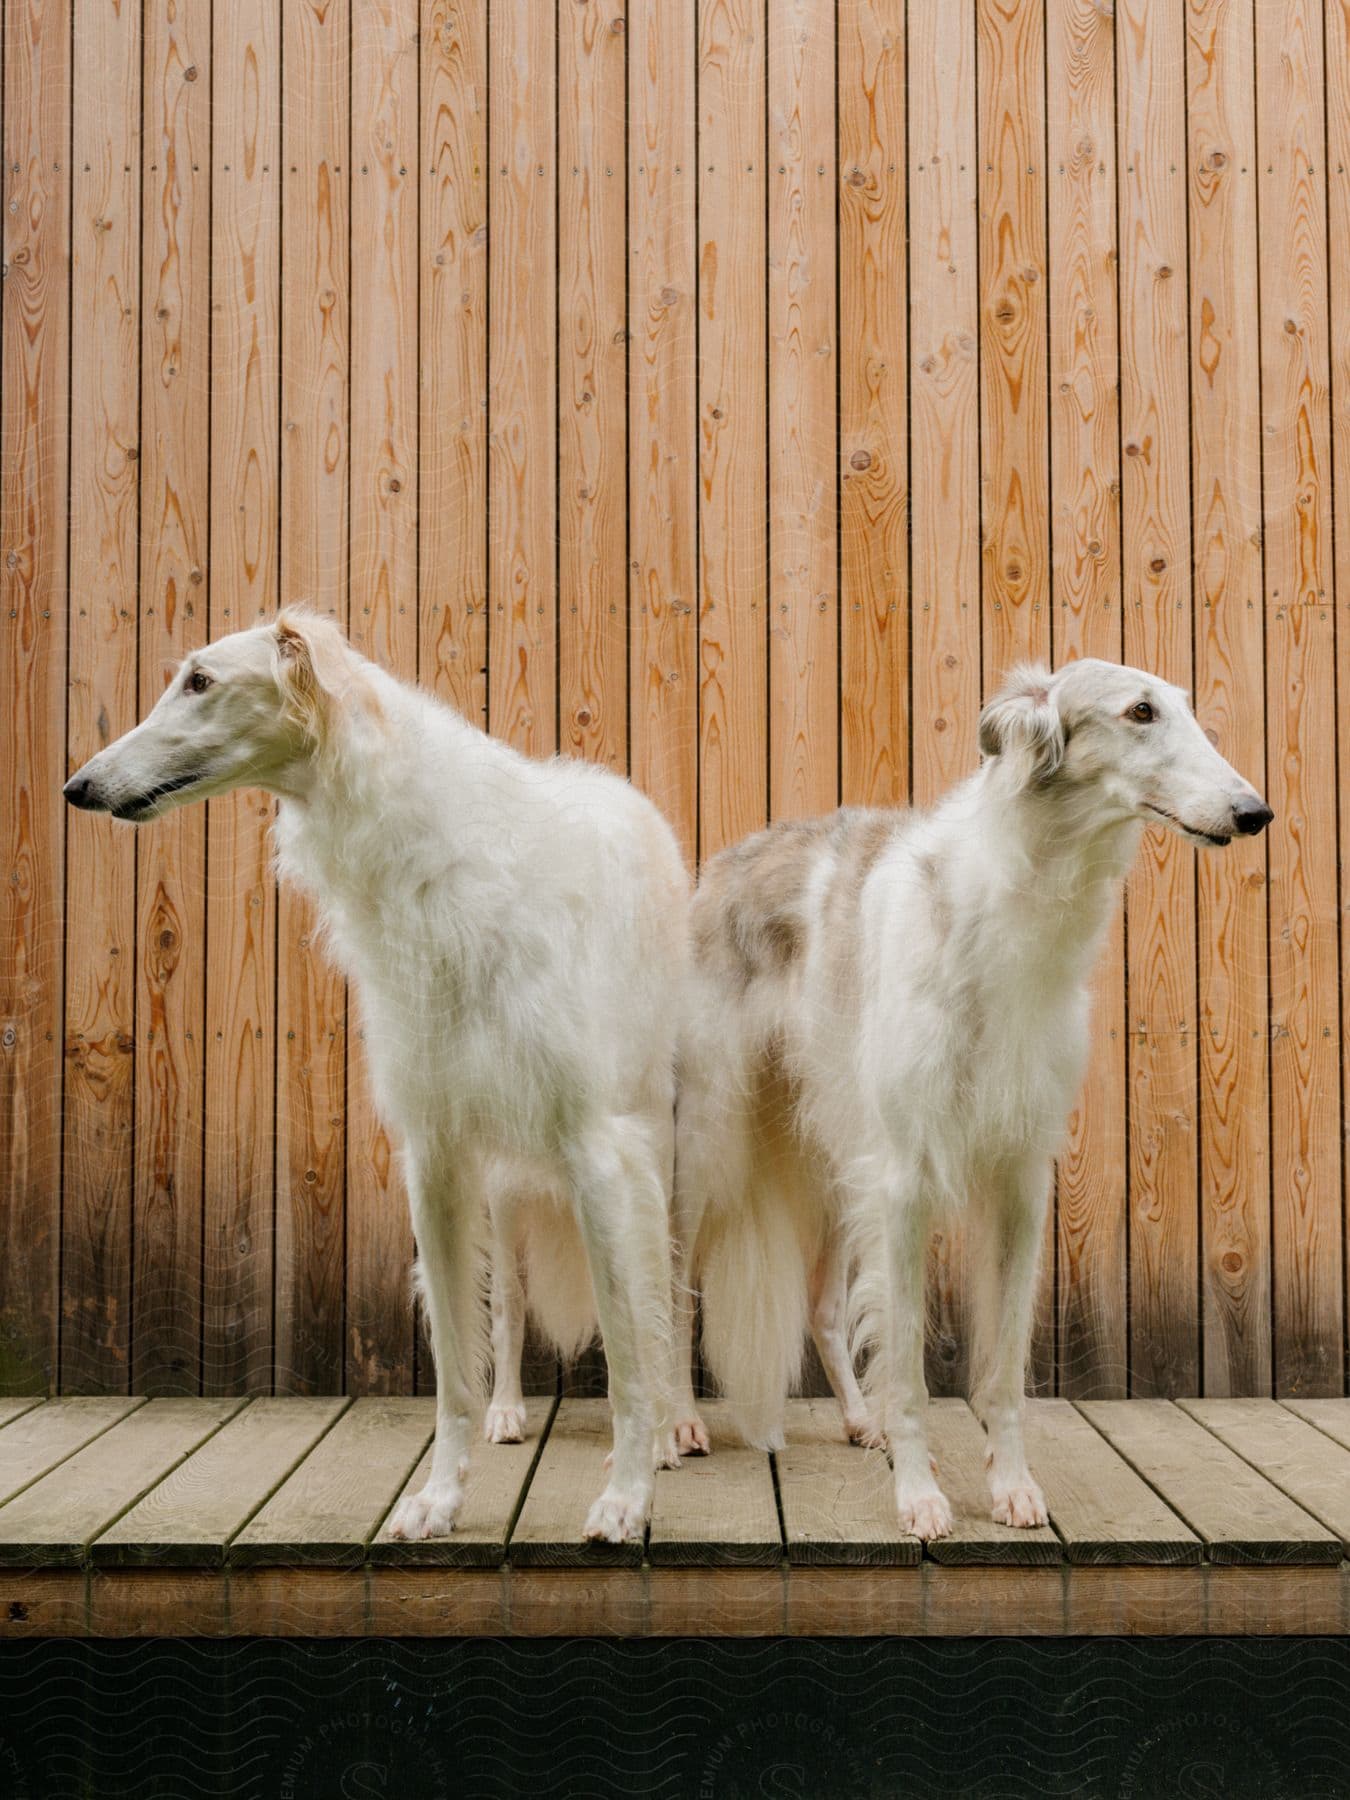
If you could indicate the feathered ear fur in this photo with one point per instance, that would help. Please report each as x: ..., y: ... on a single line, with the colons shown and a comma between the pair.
x: 1022, y: 724
x: 312, y: 671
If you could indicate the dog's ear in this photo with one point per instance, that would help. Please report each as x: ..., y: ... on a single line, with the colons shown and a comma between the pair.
x: 1022, y: 724
x: 306, y: 671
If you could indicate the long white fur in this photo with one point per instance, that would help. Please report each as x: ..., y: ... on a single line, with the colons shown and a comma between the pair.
x: 516, y: 932
x: 889, y: 1019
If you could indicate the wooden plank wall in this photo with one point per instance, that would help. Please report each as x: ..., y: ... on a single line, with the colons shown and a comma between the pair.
x: 727, y: 391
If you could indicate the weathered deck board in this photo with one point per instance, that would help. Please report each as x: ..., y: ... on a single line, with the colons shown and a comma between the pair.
x: 39, y: 1440
x: 570, y: 1475
x: 1331, y: 1416
x: 1240, y: 1516
x: 54, y: 1520
x: 15, y: 1409
x: 838, y: 1501
x: 957, y: 1444
x: 191, y: 1516
x: 335, y: 1502
x: 1103, y: 1512
x: 1292, y: 1454
x: 493, y: 1492
x: 716, y: 1510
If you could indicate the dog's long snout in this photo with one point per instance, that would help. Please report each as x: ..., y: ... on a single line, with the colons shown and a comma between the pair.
x: 1251, y: 816
x: 80, y: 791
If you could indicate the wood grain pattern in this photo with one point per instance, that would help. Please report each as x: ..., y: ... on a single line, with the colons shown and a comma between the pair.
x: 1164, y: 1326
x: 1291, y: 1453
x: 330, y: 1508
x: 1229, y: 693
x: 494, y: 1488
x: 717, y: 1509
x: 592, y: 385
x: 101, y: 700
x: 945, y: 467
x: 1014, y: 441
x: 662, y: 401
x: 1338, y: 297
x: 35, y: 183
x: 873, y: 406
x: 568, y: 1477
x: 173, y: 619
x: 1085, y: 548
x: 452, y: 427
x: 241, y: 900
x: 522, y: 391
x: 1305, y: 1113
x: 1100, y: 1509
x: 803, y: 422
x: 956, y: 1440
x: 1240, y: 1516
x: 46, y: 1436
x: 315, y: 568
x: 190, y: 1517
x: 55, y: 1519
x: 384, y: 612
x: 837, y: 1502
x: 732, y: 421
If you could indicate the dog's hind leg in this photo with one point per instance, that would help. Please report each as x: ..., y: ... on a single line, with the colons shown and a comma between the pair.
x: 829, y: 1299
x: 1010, y: 1227
x: 446, y: 1217
x: 621, y: 1205
x: 504, y: 1421
x: 923, y: 1507
x: 691, y: 1434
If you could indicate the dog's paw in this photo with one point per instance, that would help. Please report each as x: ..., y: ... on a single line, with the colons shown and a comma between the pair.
x: 504, y: 1424
x: 864, y: 1431
x: 617, y: 1517
x: 691, y: 1437
x: 925, y: 1513
x: 428, y: 1514
x: 1020, y: 1503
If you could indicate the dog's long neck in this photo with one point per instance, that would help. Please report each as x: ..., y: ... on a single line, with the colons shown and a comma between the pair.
x: 1051, y: 865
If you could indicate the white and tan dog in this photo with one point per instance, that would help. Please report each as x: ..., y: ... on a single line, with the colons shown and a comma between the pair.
x: 889, y: 1017
x: 517, y: 935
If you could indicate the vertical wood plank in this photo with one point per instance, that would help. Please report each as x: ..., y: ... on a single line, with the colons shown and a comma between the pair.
x: 592, y: 385
x: 662, y: 397
x: 1155, y: 562
x: 873, y: 406
x: 1229, y: 693
x: 1300, y: 700
x: 241, y: 903
x: 171, y: 898
x: 1085, y: 546
x: 311, y: 996
x: 1014, y: 445
x: 945, y: 467
x: 1338, y: 252
x: 452, y: 357
x: 733, y: 494
x: 522, y: 452
x: 803, y: 415
x: 104, y: 550
x: 34, y: 348
x: 384, y: 606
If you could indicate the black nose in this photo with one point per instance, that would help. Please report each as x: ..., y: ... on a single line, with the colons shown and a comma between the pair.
x: 79, y: 790
x: 1251, y: 816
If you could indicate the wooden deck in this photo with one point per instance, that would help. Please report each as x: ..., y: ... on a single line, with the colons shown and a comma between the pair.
x: 124, y: 1517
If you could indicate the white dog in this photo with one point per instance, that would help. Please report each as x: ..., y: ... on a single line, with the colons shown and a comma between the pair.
x: 517, y: 934
x: 889, y: 1016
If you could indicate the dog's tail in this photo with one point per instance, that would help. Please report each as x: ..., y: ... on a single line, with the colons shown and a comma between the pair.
x: 558, y: 1289
x: 753, y: 1276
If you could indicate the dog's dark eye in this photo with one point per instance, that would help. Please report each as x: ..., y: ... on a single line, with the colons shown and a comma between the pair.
x: 198, y: 681
x: 1142, y: 714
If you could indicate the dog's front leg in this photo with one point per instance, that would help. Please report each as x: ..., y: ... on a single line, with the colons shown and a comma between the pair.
x: 924, y: 1508
x: 622, y: 1209
x: 445, y: 1216
x: 1006, y: 1254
